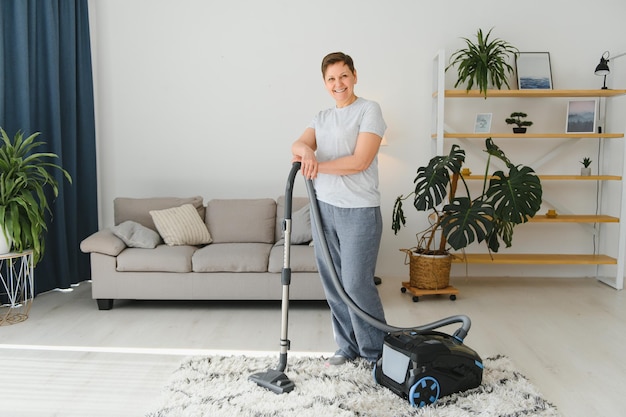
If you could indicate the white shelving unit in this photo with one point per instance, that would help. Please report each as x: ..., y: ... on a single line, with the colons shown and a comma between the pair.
x: 609, y: 268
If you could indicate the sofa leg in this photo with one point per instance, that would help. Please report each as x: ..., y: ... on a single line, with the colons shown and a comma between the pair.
x: 105, y: 303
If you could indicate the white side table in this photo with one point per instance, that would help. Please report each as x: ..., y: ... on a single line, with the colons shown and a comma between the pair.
x: 17, y: 286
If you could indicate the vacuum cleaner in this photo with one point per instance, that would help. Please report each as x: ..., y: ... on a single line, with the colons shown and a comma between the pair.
x: 418, y: 363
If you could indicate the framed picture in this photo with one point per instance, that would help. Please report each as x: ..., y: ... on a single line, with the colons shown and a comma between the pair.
x: 482, y: 123
x: 581, y: 116
x: 533, y: 71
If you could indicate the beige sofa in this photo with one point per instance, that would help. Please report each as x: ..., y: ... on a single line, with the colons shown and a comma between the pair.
x: 241, y: 256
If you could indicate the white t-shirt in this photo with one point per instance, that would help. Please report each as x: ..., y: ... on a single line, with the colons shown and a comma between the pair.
x: 336, y: 132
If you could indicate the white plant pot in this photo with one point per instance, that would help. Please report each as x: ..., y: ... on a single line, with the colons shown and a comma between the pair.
x: 5, y: 243
x: 585, y: 171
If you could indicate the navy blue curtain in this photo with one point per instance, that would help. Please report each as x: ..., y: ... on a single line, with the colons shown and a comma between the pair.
x: 46, y: 86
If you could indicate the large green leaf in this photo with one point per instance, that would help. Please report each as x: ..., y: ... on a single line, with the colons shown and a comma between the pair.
x: 432, y: 180
x: 515, y: 197
x: 492, y: 149
x: 466, y: 221
x: 398, y: 219
x: 501, y: 230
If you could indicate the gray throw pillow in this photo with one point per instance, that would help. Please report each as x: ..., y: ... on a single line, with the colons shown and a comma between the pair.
x: 300, y: 227
x: 135, y: 235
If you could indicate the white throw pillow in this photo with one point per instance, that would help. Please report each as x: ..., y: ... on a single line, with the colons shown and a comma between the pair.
x: 135, y: 235
x: 181, y: 226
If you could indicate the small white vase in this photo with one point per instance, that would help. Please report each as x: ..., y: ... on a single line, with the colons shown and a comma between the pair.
x: 5, y: 243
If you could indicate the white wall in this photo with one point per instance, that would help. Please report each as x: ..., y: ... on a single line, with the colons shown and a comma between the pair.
x: 205, y: 97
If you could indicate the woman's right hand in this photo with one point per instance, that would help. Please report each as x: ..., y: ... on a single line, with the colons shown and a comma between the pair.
x: 303, y: 151
x: 309, y: 164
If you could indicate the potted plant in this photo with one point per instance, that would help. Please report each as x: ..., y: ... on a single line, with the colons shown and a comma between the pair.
x: 506, y: 200
x: 484, y: 62
x: 516, y: 119
x: 24, y: 176
x: 585, y: 170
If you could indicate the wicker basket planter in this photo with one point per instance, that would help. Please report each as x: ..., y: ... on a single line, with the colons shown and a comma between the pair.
x: 428, y: 272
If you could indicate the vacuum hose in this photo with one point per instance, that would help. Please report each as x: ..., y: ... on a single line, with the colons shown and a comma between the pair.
x: 323, y: 248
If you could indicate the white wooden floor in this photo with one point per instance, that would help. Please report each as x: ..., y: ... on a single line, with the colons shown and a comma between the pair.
x: 69, y: 359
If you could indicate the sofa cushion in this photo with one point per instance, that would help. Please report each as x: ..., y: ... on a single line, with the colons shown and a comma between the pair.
x: 138, y: 209
x: 297, y: 203
x: 163, y: 258
x: 135, y: 235
x: 232, y: 257
x: 103, y: 241
x: 241, y: 220
x: 181, y: 226
x: 301, y: 258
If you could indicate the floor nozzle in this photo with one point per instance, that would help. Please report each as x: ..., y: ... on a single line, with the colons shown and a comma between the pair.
x: 273, y: 380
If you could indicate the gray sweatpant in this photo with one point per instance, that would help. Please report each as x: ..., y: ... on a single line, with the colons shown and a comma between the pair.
x: 353, y: 236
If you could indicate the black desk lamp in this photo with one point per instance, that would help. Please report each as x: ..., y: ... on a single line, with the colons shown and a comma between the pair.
x: 602, y: 68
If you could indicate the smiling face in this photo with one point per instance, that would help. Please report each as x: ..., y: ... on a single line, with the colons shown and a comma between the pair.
x: 340, y: 82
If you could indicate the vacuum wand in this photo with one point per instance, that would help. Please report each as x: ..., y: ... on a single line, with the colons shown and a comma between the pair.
x: 285, y: 344
x: 275, y: 379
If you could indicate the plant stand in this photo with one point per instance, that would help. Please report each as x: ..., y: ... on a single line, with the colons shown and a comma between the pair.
x: 17, y: 283
x: 418, y: 292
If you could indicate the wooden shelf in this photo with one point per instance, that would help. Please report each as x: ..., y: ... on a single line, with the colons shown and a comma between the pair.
x: 562, y: 177
x: 532, y: 93
x: 531, y: 135
x: 574, y: 218
x: 581, y: 177
x: 534, y: 259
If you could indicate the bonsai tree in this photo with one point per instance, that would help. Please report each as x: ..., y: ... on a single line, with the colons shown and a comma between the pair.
x: 24, y: 175
x: 507, y: 199
x: 483, y: 62
x: 516, y: 119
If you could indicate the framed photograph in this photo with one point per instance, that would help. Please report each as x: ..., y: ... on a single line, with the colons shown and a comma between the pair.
x: 581, y: 116
x: 482, y: 123
x: 533, y: 71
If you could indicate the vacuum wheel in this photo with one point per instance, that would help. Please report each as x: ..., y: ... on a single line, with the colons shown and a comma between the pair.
x: 424, y: 392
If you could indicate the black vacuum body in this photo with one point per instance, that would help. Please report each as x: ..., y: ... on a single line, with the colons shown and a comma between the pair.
x: 422, y: 367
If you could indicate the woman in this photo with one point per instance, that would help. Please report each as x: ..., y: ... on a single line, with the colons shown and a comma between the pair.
x: 339, y: 152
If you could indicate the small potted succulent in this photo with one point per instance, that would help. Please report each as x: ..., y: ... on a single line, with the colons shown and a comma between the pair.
x: 516, y: 119
x: 585, y: 170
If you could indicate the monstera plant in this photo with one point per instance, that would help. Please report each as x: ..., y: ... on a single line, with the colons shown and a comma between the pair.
x: 457, y: 219
x: 24, y: 177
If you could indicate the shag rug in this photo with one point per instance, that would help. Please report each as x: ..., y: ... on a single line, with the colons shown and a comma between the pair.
x: 218, y: 386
